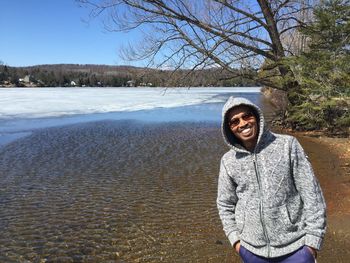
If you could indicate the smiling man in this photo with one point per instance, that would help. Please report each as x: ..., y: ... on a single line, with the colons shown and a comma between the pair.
x: 270, y: 203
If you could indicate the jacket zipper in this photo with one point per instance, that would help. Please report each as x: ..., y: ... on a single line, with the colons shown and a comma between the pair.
x: 261, y: 205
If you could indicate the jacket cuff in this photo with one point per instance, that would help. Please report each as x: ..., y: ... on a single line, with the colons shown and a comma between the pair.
x: 233, y: 237
x: 313, y: 241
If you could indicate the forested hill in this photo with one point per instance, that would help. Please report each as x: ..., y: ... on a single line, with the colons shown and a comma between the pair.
x: 65, y: 75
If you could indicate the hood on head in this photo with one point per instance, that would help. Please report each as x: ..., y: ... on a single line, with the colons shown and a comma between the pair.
x: 232, y: 102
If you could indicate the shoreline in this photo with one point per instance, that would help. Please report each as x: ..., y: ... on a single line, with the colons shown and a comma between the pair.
x: 330, y: 157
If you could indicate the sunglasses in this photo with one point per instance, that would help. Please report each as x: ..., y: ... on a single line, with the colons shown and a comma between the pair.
x: 246, y: 117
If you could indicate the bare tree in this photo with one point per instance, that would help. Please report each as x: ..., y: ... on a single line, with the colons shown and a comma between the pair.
x: 228, y: 34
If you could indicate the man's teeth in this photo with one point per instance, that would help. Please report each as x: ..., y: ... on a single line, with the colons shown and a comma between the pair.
x: 246, y: 131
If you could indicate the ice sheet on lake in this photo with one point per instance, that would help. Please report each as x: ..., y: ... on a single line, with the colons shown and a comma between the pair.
x: 53, y: 102
x: 25, y: 109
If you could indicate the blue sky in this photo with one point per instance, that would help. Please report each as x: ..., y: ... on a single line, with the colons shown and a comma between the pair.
x: 34, y: 32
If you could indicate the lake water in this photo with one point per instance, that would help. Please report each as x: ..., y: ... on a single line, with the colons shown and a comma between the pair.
x: 23, y: 110
x: 112, y: 175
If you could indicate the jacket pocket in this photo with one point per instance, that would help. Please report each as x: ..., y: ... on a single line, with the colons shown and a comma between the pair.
x: 252, y: 230
x: 280, y: 229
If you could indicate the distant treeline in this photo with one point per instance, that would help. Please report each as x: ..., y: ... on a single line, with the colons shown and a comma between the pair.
x: 67, y: 75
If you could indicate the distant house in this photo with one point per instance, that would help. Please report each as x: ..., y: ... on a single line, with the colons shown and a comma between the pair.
x: 26, y: 79
x: 143, y: 84
x: 130, y: 83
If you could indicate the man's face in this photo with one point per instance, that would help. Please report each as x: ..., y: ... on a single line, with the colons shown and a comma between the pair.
x: 244, y: 126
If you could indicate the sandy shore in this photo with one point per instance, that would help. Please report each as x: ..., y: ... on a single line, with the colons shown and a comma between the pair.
x: 120, y: 191
x: 330, y: 158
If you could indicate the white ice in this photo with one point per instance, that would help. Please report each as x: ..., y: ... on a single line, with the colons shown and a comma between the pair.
x: 24, y: 109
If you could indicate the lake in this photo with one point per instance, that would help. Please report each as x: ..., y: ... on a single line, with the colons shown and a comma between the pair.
x: 23, y: 110
x: 112, y: 175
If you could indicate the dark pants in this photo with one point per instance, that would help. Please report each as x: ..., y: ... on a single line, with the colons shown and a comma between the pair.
x: 302, y: 255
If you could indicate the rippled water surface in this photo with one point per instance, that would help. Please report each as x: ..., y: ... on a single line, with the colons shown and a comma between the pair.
x: 118, y: 191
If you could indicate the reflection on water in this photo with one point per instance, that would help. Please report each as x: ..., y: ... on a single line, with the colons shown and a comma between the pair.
x: 118, y: 191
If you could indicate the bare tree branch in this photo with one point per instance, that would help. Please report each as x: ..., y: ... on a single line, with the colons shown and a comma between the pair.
x: 229, y: 34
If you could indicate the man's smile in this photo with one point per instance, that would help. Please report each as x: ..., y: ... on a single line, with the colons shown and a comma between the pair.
x: 246, y: 130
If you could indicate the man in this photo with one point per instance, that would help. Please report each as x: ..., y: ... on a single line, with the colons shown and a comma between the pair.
x: 270, y: 203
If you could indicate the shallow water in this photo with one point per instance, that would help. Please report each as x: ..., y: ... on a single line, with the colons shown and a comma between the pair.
x: 126, y: 191
x: 129, y: 191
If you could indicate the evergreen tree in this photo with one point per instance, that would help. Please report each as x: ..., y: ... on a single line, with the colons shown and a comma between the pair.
x: 323, y: 71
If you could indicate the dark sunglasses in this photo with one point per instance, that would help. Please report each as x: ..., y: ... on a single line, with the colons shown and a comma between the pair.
x: 246, y: 117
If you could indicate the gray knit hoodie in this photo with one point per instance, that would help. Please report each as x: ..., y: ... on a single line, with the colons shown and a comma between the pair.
x: 269, y: 199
